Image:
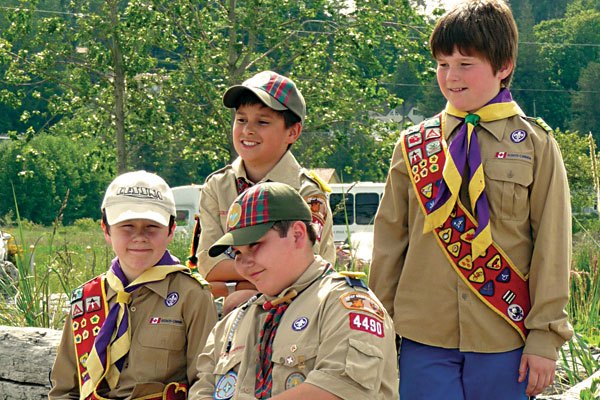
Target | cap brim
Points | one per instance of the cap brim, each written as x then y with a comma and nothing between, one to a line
239,237
231,95
124,212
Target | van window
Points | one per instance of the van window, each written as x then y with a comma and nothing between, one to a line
366,207
182,217
339,211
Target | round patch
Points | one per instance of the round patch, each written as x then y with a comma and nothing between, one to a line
515,312
234,215
518,136
294,379
300,324
172,299
226,386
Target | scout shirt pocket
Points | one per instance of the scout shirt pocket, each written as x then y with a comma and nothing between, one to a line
225,374
363,364
507,188
162,345
291,364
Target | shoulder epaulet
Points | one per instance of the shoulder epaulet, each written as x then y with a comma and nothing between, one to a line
352,278
198,277
316,179
218,171
541,123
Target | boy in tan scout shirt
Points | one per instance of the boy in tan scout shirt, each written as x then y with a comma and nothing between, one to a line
147,317
312,333
473,234
269,113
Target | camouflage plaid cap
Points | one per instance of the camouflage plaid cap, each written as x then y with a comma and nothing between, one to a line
256,210
275,91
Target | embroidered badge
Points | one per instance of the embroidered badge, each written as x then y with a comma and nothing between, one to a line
432,148
487,289
518,136
76,294
366,323
172,299
432,134
234,215
414,139
509,296
300,324
501,154
294,379
515,312
226,386
92,303
155,320
504,276
77,309
415,156
361,302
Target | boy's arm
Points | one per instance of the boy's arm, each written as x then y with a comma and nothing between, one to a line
551,258
200,316
203,385
65,384
390,238
306,391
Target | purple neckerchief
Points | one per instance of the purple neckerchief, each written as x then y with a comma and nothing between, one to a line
462,154
106,331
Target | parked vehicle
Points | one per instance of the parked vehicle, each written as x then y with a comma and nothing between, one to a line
187,204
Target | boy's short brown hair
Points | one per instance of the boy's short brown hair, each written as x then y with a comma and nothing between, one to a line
484,27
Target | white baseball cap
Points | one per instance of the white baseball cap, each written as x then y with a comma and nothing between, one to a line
139,195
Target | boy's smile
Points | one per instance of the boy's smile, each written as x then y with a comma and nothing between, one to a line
261,138
468,81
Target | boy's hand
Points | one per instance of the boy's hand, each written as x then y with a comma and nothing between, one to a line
541,373
236,298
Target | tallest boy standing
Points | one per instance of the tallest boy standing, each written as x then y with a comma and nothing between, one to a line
473,234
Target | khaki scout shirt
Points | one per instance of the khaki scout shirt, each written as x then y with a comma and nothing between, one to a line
530,216
220,190
319,341
160,353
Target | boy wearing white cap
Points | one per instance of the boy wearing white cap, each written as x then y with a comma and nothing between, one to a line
136,330
313,333
269,113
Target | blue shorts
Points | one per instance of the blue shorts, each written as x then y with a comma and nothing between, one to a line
428,372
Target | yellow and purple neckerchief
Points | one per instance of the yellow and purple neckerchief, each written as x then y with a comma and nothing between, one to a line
112,344
464,151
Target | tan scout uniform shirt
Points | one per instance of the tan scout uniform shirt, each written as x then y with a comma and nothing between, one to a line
220,190
319,340
160,353
530,214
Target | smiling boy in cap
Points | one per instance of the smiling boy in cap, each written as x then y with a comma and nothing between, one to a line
269,115
136,330
311,331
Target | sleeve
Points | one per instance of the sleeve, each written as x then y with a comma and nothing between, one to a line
200,316
64,374
354,358
321,212
550,219
390,237
210,223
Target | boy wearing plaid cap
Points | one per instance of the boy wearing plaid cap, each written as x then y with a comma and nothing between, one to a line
269,113
311,332
472,239
135,331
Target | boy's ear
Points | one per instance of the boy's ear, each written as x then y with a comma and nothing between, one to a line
506,69
299,232
106,231
294,132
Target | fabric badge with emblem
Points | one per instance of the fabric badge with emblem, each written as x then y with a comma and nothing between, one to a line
518,136
225,387
318,209
362,302
172,299
294,379
300,324
366,323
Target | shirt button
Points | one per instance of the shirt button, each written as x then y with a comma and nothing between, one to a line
132,309
465,296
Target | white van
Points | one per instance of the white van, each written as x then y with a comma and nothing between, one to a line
187,204
357,212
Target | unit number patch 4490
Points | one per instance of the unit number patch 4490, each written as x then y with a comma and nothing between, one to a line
366,323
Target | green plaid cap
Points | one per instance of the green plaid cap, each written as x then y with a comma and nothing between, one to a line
275,91
255,211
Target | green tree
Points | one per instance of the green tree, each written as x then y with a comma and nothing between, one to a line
586,101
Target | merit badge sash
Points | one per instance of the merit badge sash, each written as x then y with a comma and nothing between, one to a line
88,313
492,276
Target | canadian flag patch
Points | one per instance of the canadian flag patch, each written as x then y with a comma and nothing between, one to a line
501,154
155,320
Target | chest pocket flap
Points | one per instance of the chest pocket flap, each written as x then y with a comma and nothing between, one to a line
507,188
